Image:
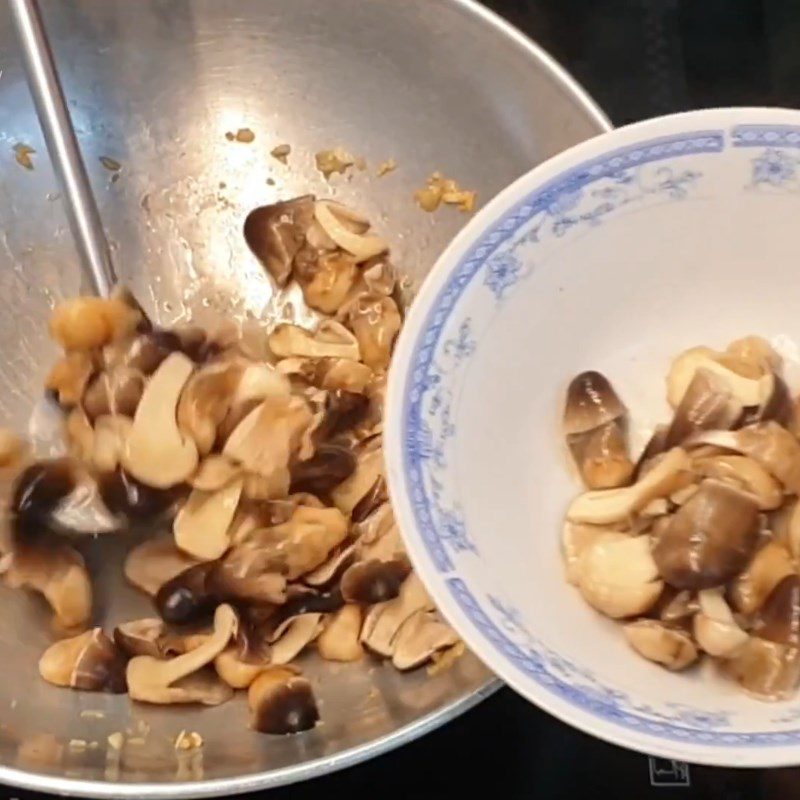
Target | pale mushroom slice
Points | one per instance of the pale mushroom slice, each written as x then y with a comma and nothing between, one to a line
349,230
59,573
339,641
420,637
201,527
151,564
595,429
768,567
148,637
753,355
374,581
89,661
383,621
267,439
206,400
715,629
709,539
745,473
281,702
618,576
771,445
575,538
233,671
606,506
327,572
293,635
214,473
375,320
767,670
110,436
326,279
151,680
750,392
330,340
670,647
156,452
707,404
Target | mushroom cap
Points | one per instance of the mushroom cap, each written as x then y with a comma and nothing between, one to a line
147,637
374,581
768,567
709,539
89,661
590,402
779,618
186,598
282,702
331,464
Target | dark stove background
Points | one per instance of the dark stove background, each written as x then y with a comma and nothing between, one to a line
637,58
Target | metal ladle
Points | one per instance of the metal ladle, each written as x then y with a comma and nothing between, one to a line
62,145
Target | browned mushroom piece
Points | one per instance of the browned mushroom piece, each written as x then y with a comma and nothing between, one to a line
247,572
369,468
149,565
326,279
709,540
275,234
707,404
767,670
330,340
656,445
40,489
375,320
339,641
89,661
87,323
715,628
778,620
331,464
374,581
186,598
331,570
766,570
201,526
772,446
420,637
672,648
745,473
59,573
342,374
281,702
117,391
594,424
126,496
147,637
181,679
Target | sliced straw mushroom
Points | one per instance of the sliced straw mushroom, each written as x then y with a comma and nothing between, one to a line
247,573
186,597
41,488
374,581
778,620
750,392
707,404
331,570
147,637
330,340
275,234
656,446
606,506
232,670
594,424
214,473
89,661
383,621
59,573
338,222
709,539
375,320
149,565
79,435
281,702
201,527
768,567
113,392
767,443
369,468
755,353
293,636
326,280
618,576
420,637
715,628
331,464
767,670
205,402
156,452
575,539
339,641
108,444
151,680
124,495
267,439
745,473
673,649
678,607
343,374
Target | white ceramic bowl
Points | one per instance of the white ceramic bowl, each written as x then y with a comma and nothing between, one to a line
615,255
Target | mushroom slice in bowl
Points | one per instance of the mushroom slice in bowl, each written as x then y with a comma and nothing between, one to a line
715,628
594,425
670,647
768,567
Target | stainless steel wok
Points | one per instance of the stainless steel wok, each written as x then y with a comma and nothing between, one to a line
154,86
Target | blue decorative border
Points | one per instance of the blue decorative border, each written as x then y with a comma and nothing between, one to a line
605,704
765,136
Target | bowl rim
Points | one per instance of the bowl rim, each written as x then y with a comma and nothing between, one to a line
699,122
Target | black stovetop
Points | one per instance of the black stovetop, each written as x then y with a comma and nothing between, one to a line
638,59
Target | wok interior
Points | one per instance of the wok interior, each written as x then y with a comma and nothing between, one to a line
155,86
